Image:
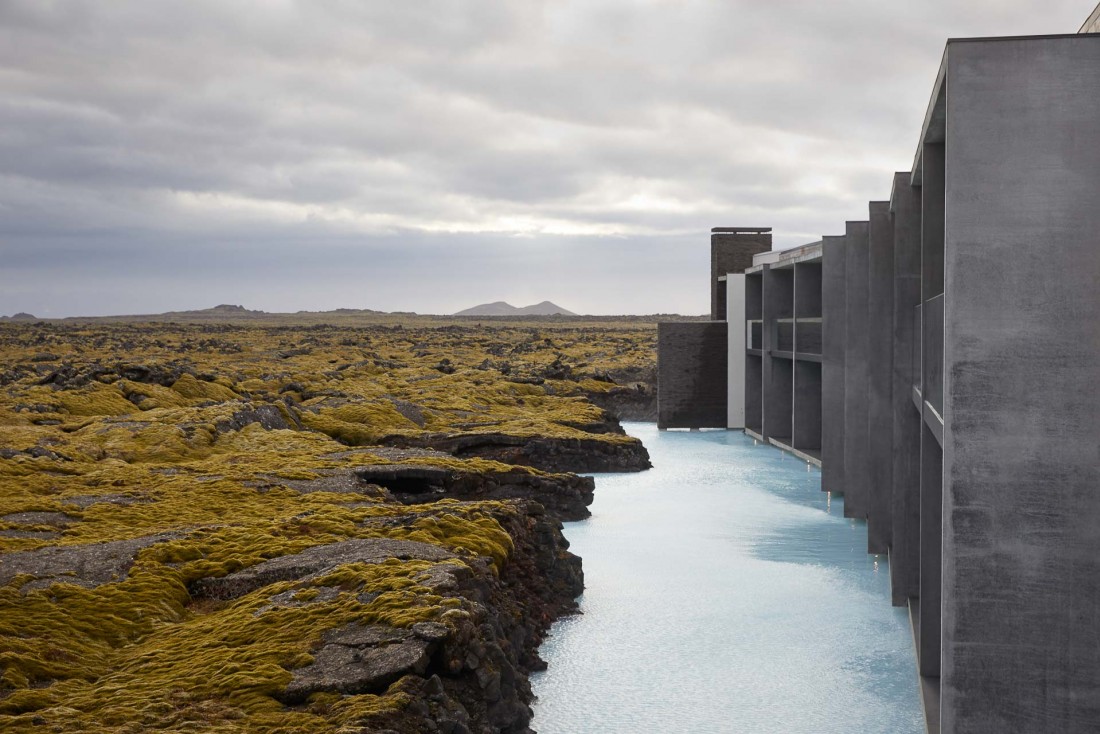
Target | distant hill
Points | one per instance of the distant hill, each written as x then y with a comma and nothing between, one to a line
233,314
500,308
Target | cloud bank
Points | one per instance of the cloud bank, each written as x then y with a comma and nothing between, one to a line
434,154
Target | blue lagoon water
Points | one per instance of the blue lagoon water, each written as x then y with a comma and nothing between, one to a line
725,592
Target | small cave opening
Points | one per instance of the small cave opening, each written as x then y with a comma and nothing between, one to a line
407,480
410,485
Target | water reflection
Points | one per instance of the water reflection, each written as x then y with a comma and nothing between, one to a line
726,593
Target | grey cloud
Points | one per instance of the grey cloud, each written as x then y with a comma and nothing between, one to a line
306,146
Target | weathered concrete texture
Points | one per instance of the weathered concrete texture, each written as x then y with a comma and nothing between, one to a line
905,436
931,558
880,365
731,252
1021,572
735,375
834,332
807,406
754,364
778,398
807,283
931,483
778,372
754,396
857,456
691,374
933,202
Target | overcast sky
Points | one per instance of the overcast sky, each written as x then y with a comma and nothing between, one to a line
428,155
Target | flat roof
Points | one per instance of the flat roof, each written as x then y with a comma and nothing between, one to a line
785,258
739,230
934,129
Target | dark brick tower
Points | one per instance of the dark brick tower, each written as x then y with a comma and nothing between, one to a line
731,251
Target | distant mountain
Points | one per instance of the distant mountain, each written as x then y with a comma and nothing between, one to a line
500,308
21,316
222,310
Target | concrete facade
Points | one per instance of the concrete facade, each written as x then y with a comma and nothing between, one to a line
944,357
905,202
834,334
1021,437
857,449
735,346
782,354
778,369
933,204
880,367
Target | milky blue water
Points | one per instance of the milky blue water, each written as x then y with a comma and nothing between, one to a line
725,592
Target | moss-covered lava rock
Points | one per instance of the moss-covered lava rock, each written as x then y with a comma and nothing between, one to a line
293,528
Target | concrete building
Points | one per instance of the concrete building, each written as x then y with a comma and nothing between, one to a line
695,370
939,360
782,351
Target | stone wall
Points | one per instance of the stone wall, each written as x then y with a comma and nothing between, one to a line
692,362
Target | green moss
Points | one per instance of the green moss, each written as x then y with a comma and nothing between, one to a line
358,424
197,390
481,535
148,397
96,399
125,666
239,656
146,442
140,654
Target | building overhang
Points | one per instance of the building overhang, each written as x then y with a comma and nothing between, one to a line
934,129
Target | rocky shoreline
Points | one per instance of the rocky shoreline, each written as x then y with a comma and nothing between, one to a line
468,674
465,670
474,677
251,540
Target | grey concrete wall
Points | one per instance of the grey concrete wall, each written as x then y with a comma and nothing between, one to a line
807,405
931,483
880,366
754,368
778,398
754,393
834,331
778,373
691,374
931,558
1021,570
731,252
857,454
807,284
932,220
905,436
735,350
